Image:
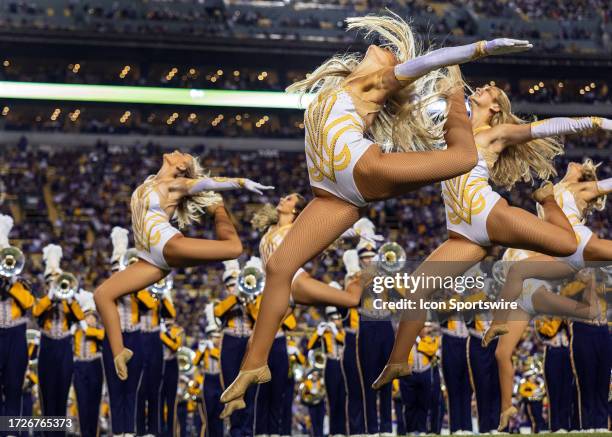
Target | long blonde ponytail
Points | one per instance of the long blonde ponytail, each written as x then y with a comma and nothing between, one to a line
191,208
522,161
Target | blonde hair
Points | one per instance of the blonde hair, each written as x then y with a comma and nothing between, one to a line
589,174
191,207
403,122
522,161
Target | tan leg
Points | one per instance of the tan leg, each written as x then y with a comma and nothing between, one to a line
317,226
454,257
307,290
134,278
381,176
182,251
503,354
598,249
514,227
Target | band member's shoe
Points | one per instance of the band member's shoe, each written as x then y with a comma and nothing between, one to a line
546,190
245,378
231,406
121,361
505,416
390,372
492,333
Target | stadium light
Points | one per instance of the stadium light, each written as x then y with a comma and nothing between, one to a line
151,95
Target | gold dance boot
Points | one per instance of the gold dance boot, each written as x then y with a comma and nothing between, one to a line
390,372
504,418
245,378
231,406
121,361
492,333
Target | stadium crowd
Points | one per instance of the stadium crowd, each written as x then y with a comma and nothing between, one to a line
322,19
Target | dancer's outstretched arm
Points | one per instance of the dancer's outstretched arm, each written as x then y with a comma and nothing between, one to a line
412,69
510,134
187,186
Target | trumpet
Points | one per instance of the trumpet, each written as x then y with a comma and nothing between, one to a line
185,357
392,257
161,287
12,261
250,283
129,257
65,286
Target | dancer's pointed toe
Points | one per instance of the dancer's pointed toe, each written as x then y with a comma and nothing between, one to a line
389,373
243,381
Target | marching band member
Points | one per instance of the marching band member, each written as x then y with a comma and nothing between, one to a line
416,388
554,333
347,170
591,354
30,384
398,407
456,375
296,359
55,314
88,375
208,355
374,344
179,190
171,335
531,391
15,300
350,359
151,309
237,316
329,336
122,394
482,367
311,393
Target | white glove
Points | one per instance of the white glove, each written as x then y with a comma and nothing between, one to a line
256,187
209,344
83,325
119,238
163,328
332,327
502,46
51,294
351,261
6,224
202,345
292,350
321,328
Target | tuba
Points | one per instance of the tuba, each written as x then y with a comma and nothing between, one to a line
185,357
161,287
391,257
314,395
65,286
316,359
250,283
129,257
12,261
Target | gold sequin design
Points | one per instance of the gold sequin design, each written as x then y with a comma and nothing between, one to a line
145,221
322,153
463,198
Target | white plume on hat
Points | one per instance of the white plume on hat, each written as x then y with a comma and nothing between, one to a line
6,224
351,261
52,255
364,226
86,300
255,261
232,269
119,238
